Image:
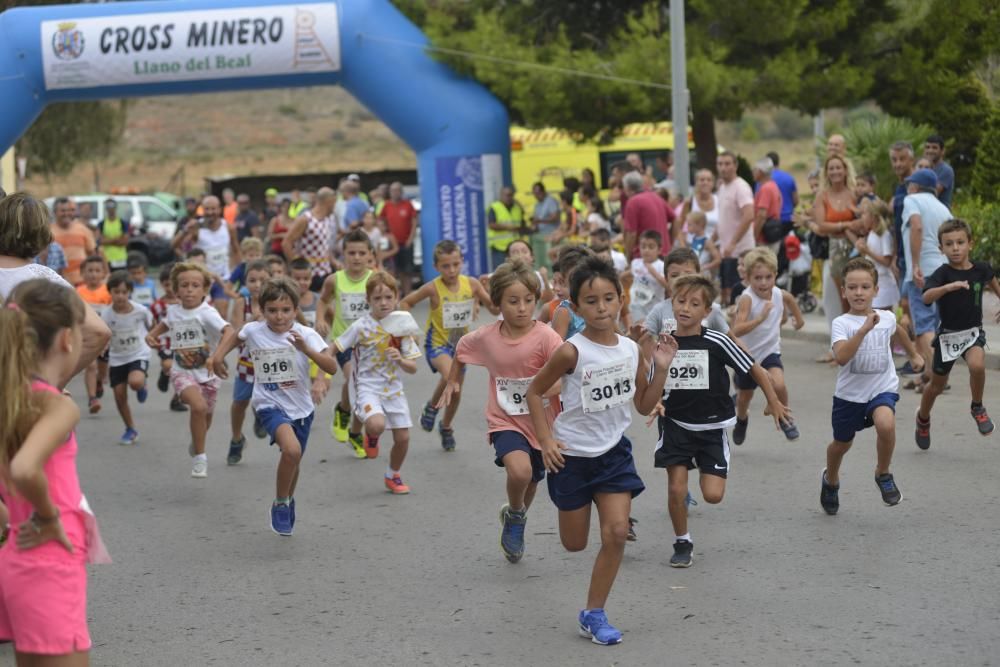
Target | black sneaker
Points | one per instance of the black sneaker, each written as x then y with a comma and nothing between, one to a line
258,428
177,405
236,451
740,430
829,495
632,535
890,492
682,554
163,382
923,433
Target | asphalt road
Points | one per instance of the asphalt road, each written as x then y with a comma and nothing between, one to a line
370,579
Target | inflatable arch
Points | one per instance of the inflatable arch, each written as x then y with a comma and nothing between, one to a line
457,129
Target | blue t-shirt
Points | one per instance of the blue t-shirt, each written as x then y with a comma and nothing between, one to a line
238,274
576,323
144,292
946,179
897,223
355,210
786,184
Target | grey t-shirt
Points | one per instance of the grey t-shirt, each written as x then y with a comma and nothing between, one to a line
665,310
544,209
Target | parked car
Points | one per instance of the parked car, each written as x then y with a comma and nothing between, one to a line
153,222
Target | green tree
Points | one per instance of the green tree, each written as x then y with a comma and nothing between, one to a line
986,174
868,143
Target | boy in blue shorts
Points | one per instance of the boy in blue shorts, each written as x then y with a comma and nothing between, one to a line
867,385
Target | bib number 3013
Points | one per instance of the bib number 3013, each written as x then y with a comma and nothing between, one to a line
275,366
606,386
689,370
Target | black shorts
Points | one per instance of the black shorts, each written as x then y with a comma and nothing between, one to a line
942,367
119,374
404,259
706,450
729,272
746,382
164,354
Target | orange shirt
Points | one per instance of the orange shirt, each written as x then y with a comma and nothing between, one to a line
229,213
95,297
78,243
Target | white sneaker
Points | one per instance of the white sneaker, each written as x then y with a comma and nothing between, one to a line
199,468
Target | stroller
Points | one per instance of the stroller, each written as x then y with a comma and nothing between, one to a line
798,275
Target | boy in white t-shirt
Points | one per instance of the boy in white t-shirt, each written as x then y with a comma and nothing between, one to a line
281,350
128,354
867,384
647,280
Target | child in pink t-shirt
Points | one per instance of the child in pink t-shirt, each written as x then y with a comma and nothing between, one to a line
512,350
43,580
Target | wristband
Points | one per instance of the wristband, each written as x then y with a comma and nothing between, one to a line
37,521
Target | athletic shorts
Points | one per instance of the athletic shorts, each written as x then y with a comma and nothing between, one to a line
344,358
708,451
164,354
395,409
182,379
432,351
942,367
746,382
119,374
924,317
849,418
505,442
272,418
218,292
584,477
729,272
242,389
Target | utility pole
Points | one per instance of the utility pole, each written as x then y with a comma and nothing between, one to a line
679,98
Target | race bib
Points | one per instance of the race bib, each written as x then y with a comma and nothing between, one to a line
187,335
143,295
642,293
353,305
953,345
125,342
274,366
217,259
689,370
310,317
511,394
669,326
456,314
607,386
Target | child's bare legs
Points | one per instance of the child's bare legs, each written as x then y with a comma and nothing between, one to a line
345,395
975,358
902,338
121,402
200,417
713,488
778,382
520,488
932,390
288,464
743,398
612,510
835,452
75,659
885,433
237,415
400,446
90,380
442,363
677,490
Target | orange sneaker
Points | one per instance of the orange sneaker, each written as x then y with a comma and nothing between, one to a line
396,486
371,447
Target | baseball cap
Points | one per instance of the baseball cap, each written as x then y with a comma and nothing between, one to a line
354,177
925,178
271,192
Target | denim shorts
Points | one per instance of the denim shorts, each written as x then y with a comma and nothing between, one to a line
925,318
849,417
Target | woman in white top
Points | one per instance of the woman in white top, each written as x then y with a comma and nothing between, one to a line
25,232
705,200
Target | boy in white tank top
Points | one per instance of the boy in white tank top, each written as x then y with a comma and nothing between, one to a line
586,453
760,312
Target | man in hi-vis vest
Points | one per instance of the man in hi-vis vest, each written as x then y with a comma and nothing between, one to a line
505,224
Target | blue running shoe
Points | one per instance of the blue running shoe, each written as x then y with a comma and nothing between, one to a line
427,417
595,627
291,506
130,437
281,519
258,427
690,501
790,430
447,438
142,394
236,451
512,533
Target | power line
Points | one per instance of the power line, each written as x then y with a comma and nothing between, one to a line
472,55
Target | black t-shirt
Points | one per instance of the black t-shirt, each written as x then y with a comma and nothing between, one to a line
245,222
961,309
713,404
737,290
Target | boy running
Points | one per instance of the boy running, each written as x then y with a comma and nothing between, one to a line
128,355
159,310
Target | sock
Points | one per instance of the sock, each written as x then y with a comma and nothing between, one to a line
353,436
685,536
520,512
390,473
921,419
976,405
200,457
282,501
743,419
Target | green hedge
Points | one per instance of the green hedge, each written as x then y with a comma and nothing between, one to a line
984,218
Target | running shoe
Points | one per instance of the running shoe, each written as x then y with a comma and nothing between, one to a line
95,405
340,424
356,443
236,451
447,438
682,554
789,428
99,393
130,437
371,447
887,486
829,495
690,501
177,405
258,428
512,533
291,507
199,468
396,486
740,430
923,432
281,519
595,627
983,420
632,535
427,417
142,394
163,382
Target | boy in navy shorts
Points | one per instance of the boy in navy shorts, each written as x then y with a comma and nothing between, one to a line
867,385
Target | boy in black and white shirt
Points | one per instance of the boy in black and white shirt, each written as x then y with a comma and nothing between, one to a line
698,407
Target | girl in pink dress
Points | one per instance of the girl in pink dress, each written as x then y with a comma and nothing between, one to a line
52,533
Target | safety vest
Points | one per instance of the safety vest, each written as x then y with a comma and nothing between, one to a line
115,254
296,209
514,215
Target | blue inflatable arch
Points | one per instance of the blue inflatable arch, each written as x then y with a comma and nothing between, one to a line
457,129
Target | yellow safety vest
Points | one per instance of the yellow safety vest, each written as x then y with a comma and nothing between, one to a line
504,216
